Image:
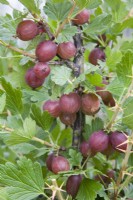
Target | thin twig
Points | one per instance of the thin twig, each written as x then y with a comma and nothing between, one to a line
124,165
66,20
42,141
17,50
58,191
34,138
118,108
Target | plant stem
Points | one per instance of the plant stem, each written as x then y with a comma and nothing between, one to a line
58,192
42,141
118,108
78,66
66,20
34,138
124,165
17,50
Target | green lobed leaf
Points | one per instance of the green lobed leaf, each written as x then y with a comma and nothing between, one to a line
24,181
128,113
65,138
112,58
2,102
88,189
116,87
127,45
57,11
124,69
61,75
13,98
94,78
43,119
129,191
99,24
67,33
118,9
91,4
75,157
31,6
96,125
22,134
3,194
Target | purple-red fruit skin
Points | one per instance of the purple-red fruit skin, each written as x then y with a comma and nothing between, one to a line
110,174
116,139
90,104
66,50
32,80
49,161
98,141
41,70
109,150
106,96
53,107
73,184
60,164
95,55
46,51
67,119
85,148
27,30
70,103
82,17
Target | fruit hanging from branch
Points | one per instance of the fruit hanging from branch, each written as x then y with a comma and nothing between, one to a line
41,70
68,119
66,50
73,184
46,51
27,30
82,17
53,107
118,141
70,103
98,141
95,55
106,96
60,164
90,104
32,80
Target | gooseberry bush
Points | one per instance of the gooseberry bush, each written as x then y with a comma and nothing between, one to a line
66,100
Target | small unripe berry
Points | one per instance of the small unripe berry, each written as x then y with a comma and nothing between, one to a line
82,17
116,139
53,107
32,80
66,50
46,51
73,184
60,164
68,119
90,104
70,103
41,70
98,141
95,55
27,30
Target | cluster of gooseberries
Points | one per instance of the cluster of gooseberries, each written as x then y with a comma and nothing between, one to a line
98,142
68,105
